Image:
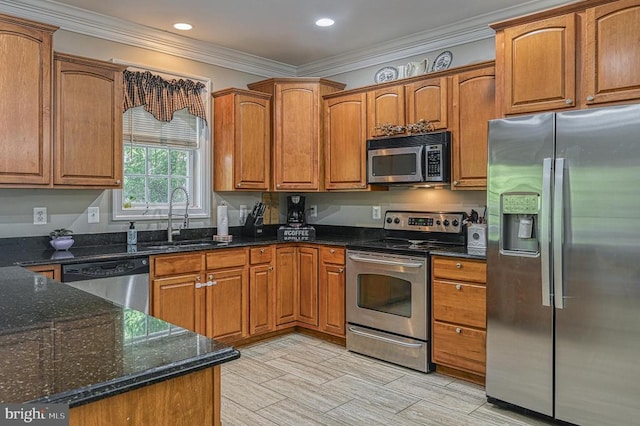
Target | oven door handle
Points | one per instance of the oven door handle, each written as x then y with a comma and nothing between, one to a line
386,262
384,339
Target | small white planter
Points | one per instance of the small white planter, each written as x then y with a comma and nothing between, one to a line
62,243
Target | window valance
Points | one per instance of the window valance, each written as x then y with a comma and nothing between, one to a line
160,97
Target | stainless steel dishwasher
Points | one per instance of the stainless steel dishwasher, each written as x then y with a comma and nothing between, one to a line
125,282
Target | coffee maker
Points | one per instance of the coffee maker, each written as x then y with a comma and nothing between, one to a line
295,211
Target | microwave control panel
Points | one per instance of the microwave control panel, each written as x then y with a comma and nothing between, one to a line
434,161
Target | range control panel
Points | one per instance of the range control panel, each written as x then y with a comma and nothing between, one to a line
450,222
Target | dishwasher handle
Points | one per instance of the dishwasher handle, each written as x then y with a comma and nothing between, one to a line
104,269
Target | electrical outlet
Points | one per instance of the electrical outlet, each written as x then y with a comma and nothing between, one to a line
313,211
375,212
39,215
93,215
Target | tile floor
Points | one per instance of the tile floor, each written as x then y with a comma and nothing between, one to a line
300,380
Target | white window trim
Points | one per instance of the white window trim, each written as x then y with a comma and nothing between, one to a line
200,200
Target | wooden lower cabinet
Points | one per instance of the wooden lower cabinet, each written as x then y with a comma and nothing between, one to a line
178,301
459,316
261,291
286,284
49,271
227,304
307,286
331,288
192,399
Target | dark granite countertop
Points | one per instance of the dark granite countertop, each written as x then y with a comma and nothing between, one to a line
36,251
64,345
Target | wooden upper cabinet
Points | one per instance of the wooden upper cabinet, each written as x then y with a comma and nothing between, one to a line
385,106
346,142
297,115
88,122
539,65
612,53
473,106
25,110
429,100
242,140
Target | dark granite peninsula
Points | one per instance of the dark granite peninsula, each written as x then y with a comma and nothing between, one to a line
112,365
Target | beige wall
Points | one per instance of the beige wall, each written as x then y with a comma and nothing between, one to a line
68,208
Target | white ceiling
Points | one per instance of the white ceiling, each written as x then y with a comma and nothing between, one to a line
282,32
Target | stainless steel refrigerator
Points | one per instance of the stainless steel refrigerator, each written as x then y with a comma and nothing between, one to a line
563,265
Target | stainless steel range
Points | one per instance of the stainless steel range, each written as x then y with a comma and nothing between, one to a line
387,286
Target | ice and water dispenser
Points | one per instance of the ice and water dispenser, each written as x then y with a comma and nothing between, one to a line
519,233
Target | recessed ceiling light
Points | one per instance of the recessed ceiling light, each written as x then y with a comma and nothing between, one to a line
325,22
182,26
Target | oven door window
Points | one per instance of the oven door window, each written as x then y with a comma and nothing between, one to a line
384,293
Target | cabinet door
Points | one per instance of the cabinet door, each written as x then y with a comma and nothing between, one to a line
88,111
178,301
49,271
428,100
539,62
286,285
25,110
459,347
261,299
346,142
227,304
308,285
612,53
296,136
242,140
385,106
332,295
473,107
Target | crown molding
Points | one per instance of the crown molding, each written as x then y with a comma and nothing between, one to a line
77,20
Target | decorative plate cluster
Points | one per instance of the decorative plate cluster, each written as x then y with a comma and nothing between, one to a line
421,126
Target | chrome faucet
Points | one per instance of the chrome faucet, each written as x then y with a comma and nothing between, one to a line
185,224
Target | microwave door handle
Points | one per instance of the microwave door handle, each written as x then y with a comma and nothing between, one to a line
421,164
385,262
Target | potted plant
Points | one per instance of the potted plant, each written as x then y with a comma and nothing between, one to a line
61,239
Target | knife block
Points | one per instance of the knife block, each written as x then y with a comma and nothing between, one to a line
253,226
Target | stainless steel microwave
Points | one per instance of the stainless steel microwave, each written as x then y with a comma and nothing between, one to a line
406,160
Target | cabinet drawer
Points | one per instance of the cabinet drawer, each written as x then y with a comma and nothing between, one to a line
176,264
261,255
460,303
459,347
332,255
460,269
219,259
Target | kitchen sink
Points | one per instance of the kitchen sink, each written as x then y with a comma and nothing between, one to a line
181,244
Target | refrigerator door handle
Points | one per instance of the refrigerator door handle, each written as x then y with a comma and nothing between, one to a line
558,233
545,231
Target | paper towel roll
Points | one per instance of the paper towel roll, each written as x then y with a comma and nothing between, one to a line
223,221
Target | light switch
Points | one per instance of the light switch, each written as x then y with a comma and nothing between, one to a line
93,215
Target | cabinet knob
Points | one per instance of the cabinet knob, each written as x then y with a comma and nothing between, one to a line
568,101
332,251
590,98
278,186
458,330
458,287
261,250
210,277
117,181
455,183
198,278
341,270
238,185
271,268
458,265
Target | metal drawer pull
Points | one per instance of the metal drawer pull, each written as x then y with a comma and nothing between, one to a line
332,251
341,270
458,287
386,262
384,339
458,330
458,265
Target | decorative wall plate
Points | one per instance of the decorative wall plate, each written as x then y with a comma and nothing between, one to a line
442,61
386,74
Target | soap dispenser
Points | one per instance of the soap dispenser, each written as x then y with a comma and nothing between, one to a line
132,234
